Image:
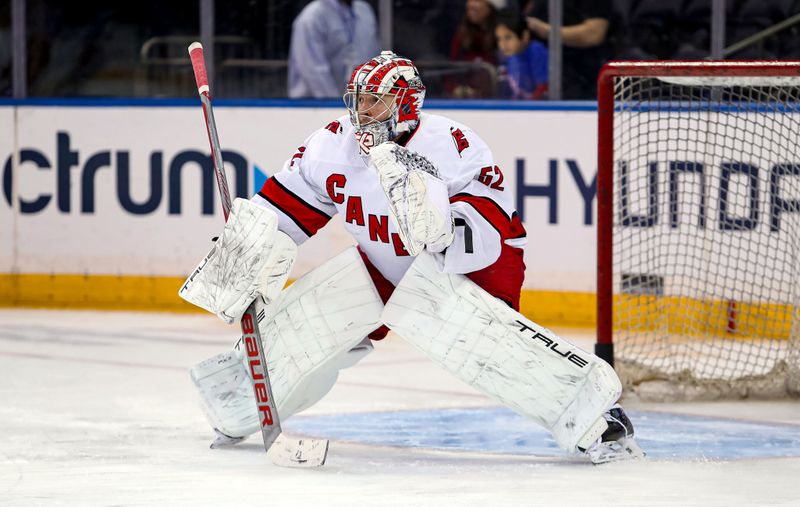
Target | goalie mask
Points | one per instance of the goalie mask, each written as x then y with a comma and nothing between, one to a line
384,98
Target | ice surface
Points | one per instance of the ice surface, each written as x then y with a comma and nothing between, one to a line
97,409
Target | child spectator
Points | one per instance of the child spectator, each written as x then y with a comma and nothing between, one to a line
526,64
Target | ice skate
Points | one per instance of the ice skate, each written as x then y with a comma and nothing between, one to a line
617,442
223,440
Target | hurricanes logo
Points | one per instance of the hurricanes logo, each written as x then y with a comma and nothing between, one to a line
365,142
334,127
298,154
460,140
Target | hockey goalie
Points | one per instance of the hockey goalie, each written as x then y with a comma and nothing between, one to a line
439,262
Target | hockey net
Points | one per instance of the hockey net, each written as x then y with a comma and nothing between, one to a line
699,228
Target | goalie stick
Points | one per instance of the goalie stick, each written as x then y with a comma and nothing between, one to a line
281,449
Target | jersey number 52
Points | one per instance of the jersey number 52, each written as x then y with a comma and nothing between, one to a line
492,177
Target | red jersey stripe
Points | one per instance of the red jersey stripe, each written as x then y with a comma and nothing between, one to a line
492,213
308,218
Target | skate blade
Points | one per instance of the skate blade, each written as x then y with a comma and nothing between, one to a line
224,440
618,450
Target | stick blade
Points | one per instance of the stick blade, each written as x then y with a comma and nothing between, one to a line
299,453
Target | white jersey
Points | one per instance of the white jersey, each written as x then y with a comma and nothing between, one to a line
327,175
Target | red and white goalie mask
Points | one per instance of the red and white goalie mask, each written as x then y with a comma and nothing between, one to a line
384,98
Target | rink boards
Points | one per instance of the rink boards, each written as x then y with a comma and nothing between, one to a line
115,203
112,203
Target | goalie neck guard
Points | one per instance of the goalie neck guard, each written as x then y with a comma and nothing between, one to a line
384,97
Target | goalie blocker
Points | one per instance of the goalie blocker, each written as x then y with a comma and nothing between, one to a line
251,258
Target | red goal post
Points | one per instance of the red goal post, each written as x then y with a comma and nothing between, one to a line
729,132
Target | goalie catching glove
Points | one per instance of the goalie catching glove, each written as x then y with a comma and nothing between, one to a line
418,200
252,258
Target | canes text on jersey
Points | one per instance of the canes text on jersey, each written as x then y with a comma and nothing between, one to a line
377,225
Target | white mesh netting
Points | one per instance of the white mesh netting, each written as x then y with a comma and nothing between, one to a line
706,237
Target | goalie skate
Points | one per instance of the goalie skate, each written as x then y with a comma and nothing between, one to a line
223,440
617,442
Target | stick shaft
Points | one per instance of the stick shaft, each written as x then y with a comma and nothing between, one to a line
201,76
216,153
251,338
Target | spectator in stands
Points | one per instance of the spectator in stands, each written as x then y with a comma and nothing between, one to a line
474,42
329,38
526,63
585,25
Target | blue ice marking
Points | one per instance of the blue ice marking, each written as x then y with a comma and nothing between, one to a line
499,430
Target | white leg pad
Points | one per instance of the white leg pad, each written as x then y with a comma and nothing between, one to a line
316,327
226,393
495,349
